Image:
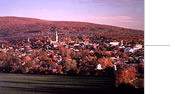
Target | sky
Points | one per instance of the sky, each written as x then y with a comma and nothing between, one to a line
123,13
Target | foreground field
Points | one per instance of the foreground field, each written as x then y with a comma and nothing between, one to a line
53,84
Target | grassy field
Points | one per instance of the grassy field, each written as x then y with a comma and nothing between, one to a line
54,84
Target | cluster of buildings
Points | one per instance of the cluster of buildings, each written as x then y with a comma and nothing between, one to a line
121,51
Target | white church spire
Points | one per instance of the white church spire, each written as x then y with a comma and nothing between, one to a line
28,39
56,37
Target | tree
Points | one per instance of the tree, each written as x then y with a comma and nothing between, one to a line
59,69
69,64
125,76
105,62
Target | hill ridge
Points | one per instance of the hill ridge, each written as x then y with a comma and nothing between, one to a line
12,25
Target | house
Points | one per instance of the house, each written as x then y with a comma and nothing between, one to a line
121,47
76,45
76,50
137,46
128,49
115,67
55,44
99,67
114,43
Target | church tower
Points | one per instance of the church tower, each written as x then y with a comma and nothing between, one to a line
28,39
56,37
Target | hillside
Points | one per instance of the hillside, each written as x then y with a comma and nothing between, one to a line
19,26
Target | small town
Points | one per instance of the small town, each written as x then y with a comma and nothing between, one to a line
88,55
72,47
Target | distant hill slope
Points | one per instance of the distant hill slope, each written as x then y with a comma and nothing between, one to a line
11,26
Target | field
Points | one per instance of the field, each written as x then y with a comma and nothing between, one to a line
53,84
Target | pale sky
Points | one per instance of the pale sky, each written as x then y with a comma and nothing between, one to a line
123,13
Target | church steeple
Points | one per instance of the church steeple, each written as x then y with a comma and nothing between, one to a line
56,37
28,39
